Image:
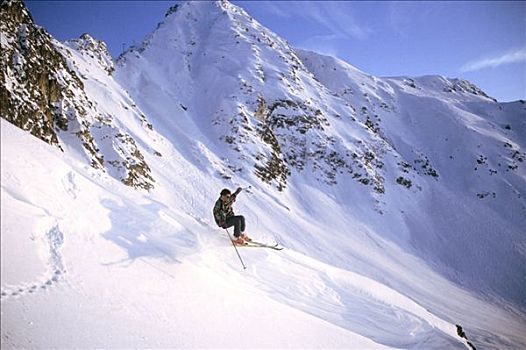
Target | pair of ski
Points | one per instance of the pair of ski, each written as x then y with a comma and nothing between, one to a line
254,244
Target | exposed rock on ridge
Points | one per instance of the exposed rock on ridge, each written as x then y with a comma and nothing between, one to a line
42,93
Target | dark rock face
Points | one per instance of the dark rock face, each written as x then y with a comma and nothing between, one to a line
35,77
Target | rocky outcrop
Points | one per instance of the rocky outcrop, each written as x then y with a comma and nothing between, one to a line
37,85
43,93
94,49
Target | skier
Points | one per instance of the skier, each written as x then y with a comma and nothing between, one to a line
225,217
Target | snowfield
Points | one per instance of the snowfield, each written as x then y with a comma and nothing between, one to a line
399,203
87,262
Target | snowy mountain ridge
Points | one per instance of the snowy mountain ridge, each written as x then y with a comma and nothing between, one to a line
45,93
400,200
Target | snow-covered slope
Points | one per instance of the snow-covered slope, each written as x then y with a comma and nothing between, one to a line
467,151
392,237
94,265
231,82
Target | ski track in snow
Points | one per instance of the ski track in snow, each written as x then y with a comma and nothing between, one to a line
55,265
340,297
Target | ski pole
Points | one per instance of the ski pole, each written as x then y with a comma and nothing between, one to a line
239,256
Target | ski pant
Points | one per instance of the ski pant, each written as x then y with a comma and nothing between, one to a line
238,222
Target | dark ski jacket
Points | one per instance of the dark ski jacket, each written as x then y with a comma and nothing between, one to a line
223,210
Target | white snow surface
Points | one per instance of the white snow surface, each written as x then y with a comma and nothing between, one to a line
88,262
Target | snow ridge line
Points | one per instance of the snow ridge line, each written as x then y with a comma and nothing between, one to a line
55,238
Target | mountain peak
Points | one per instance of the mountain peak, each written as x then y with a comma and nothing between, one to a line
191,13
93,49
217,49
16,11
171,10
442,84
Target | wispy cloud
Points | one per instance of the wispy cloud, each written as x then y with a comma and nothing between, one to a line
336,17
275,8
511,56
323,44
403,16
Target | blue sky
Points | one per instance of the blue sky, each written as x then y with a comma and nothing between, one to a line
484,42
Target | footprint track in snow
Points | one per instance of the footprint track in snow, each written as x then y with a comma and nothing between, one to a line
55,264
70,186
